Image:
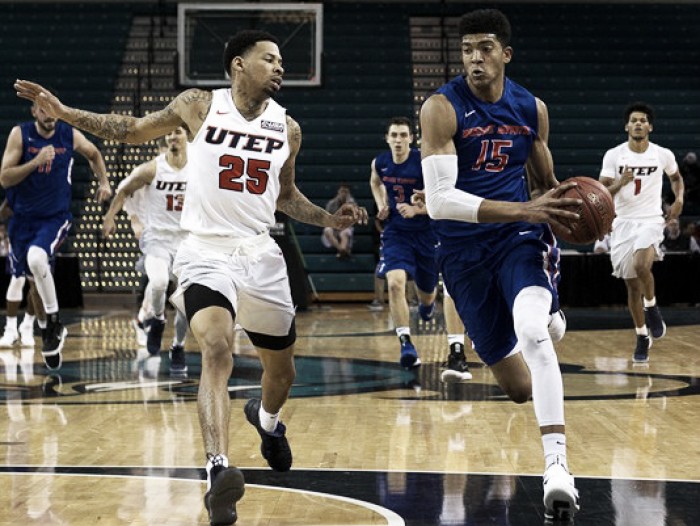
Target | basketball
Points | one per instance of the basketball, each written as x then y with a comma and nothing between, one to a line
596,212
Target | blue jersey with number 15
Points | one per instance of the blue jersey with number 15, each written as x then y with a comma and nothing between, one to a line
493,142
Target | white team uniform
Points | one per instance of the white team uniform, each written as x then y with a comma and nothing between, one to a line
231,201
639,221
162,205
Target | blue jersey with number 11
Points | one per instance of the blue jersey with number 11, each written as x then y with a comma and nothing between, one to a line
493,143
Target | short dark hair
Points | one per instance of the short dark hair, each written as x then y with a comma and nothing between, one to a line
641,107
241,42
486,21
400,121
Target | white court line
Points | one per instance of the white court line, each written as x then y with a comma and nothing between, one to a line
392,518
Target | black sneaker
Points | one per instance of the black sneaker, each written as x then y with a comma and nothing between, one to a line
653,319
274,447
154,334
641,352
178,364
53,338
456,368
227,487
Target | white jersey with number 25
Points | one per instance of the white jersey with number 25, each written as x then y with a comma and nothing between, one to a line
235,166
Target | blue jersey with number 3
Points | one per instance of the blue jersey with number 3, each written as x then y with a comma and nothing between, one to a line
493,143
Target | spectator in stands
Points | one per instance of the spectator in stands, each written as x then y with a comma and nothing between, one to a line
340,239
36,172
675,238
690,170
230,269
633,172
497,253
408,241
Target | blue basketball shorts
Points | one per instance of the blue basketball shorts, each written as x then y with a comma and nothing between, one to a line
47,233
484,280
413,252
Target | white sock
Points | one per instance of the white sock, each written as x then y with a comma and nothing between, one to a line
642,331
42,323
11,324
268,421
400,331
215,460
554,445
455,338
28,321
649,303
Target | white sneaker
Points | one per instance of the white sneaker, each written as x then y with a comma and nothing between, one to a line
557,326
9,338
560,493
26,336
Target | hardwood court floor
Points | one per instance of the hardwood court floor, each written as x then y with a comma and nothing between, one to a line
112,439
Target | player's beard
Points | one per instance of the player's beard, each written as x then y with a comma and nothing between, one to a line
46,127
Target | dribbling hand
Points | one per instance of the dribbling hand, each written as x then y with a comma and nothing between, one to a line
550,206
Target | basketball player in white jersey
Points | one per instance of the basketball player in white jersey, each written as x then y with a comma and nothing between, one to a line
243,152
633,172
134,208
162,183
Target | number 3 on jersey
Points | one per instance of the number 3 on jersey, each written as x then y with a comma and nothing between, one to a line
236,168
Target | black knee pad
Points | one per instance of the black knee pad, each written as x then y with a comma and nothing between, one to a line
198,297
273,343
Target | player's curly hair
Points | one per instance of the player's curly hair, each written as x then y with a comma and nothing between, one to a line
241,42
641,107
486,21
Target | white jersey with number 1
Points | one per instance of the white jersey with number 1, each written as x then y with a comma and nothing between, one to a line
236,163
641,198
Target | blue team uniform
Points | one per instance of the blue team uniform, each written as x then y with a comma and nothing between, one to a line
407,244
486,265
41,201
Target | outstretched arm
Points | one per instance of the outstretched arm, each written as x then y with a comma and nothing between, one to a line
297,206
140,177
97,164
188,109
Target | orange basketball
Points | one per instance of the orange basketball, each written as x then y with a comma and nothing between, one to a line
596,212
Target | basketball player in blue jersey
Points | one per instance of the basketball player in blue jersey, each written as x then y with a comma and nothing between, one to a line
36,172
244,147
408,241
497,251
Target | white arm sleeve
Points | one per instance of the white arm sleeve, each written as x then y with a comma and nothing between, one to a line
442,199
